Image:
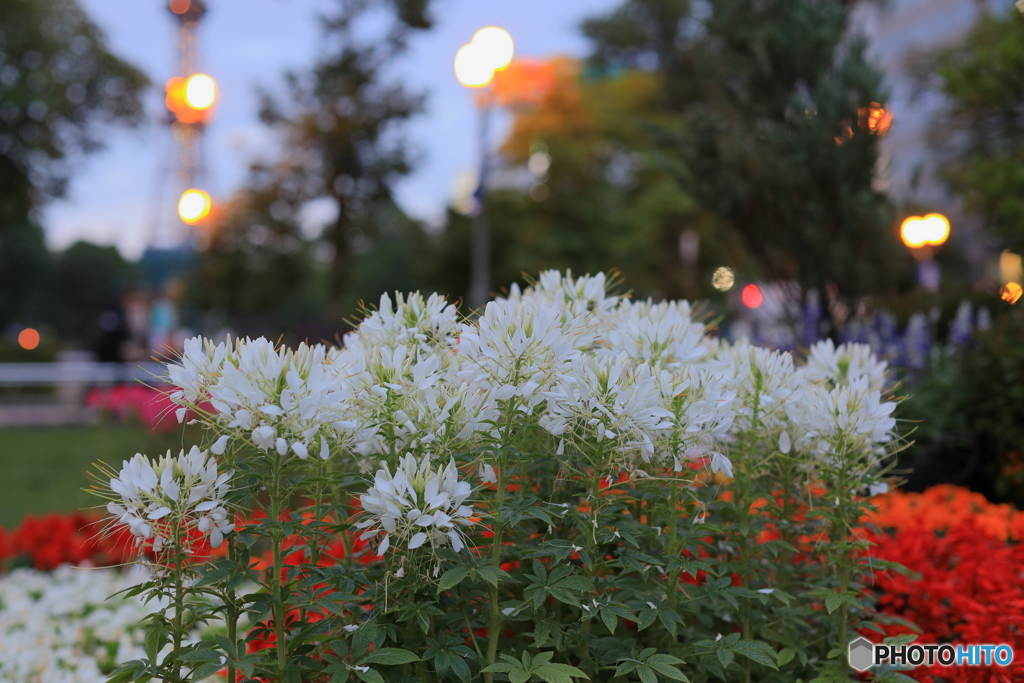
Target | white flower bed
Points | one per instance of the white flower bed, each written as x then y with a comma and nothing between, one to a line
64,627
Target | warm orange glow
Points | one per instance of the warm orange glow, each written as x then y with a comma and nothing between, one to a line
194,206
931,230
179,6
200,91
752,296
191,99
528,81
845,134
28,338
876,118
1011,292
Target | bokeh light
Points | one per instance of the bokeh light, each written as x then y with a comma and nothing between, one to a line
723,279
194,205
495,46
490,50
179,6
200,91
931,230
1011,292
539,163
752,296
876,118
28,338
470,69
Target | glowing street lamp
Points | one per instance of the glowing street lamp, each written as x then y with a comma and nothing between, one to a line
194,205
476,62
923,234
932,230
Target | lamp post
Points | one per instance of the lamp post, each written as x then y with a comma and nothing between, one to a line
923,235
475,65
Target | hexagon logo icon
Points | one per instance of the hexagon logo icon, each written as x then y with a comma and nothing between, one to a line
861,651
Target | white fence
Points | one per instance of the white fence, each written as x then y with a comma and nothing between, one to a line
71,381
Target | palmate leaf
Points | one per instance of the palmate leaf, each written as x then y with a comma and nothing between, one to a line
390,656
539,665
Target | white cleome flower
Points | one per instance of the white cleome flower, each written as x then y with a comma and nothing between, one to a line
411,321
172,494
660,334
416,505
266,394
402,399
847,420
842,365
518,347
764,381
608,399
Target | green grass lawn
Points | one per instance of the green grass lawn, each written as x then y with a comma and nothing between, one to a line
45,469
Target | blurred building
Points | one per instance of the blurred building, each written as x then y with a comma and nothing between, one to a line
896,30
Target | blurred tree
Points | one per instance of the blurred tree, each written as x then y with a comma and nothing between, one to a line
586,187
981,132
776,140
85,282
340,123
58,85
259,269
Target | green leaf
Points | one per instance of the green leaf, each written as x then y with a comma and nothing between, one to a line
646,618
453,577
155,639
646,674
206,670
500,668
725,656
370,676
786,655
390,656
564,595
762,653
832,602
460,668
665,665
558,673
609,619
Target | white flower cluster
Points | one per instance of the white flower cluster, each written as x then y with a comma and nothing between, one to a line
62,626
183,492
416,506
273,397
593,369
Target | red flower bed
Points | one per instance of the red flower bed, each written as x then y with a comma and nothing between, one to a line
137,402
969,583
50,541
965,555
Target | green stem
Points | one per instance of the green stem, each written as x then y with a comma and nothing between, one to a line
179,608
673,544
595,496
495,624
843,559
275,588
231,616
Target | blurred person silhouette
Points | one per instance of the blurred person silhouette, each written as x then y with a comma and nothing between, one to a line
136,314
164,319
112,333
